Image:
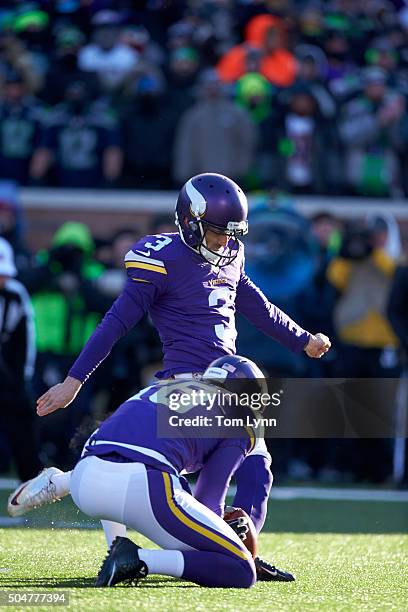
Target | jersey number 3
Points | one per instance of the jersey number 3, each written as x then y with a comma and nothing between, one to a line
159,244
223,331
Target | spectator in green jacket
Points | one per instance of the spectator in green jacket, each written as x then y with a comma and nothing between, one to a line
67,307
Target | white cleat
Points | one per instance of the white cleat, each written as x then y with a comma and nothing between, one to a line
34,493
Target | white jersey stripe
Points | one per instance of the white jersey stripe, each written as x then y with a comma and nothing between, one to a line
132,256
139,449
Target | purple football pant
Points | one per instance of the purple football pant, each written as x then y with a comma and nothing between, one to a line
155,504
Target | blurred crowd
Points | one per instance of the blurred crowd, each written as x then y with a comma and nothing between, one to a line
304,96
346,279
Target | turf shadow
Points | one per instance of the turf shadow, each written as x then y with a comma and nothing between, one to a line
81,582
49,583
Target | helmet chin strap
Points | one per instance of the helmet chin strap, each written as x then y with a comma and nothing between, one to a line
213,258
203,250
210,256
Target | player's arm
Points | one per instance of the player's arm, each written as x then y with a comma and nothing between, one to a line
126,311
271,320
254,481
214,479
144,284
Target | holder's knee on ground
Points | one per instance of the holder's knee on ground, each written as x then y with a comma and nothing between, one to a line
219,570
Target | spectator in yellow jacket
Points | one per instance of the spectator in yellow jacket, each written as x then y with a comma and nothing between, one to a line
362,275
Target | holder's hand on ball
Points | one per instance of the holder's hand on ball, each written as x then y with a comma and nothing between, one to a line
243,526
239,524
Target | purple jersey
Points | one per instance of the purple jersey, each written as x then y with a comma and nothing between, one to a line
192,304
131,433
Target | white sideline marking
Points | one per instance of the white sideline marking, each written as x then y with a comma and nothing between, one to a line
163,201
288,493
8,521
282,493
9,483
319,493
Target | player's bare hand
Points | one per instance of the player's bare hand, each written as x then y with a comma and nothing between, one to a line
58,396
317,346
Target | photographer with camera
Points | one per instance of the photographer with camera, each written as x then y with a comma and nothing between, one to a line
362,275
67,307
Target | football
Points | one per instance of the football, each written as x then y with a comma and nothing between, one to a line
251,536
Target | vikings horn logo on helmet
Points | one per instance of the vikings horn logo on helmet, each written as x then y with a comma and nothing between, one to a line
198,205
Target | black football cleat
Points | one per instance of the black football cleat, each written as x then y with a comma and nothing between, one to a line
269,573
122,565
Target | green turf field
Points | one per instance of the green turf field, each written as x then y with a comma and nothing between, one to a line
333,571
345,555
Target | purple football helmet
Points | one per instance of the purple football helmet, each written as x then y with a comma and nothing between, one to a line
214,202
237,374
